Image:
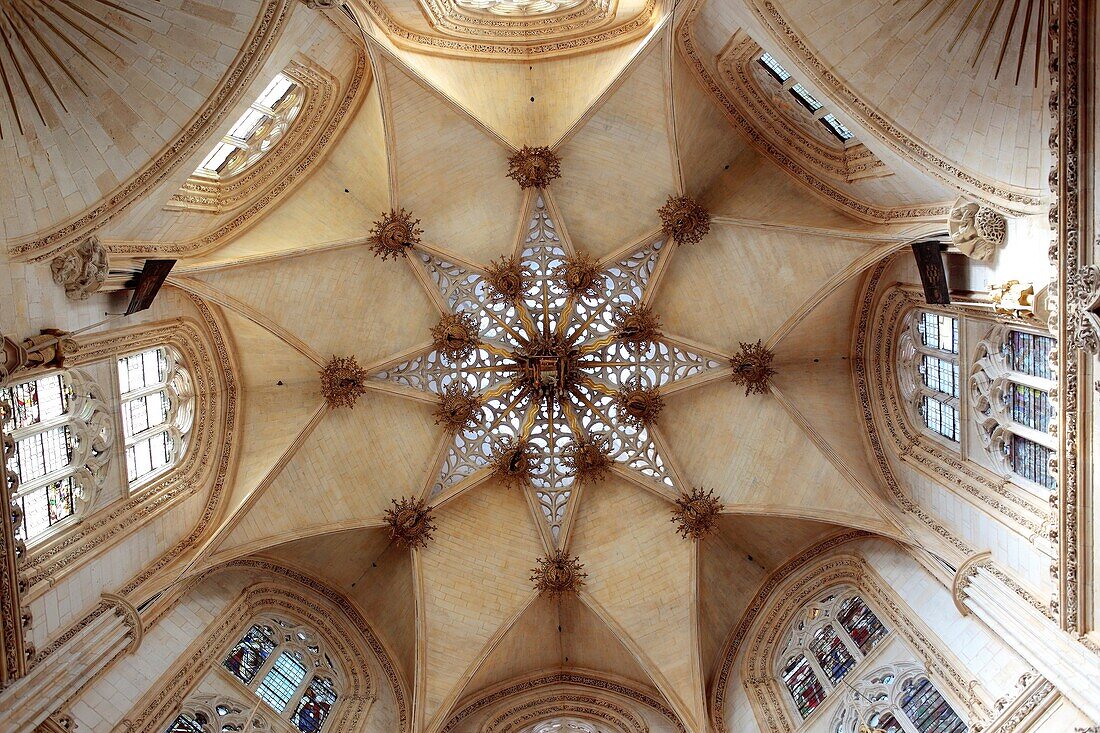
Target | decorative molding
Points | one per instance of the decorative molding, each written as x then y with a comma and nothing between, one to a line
534,167
696,513
558,574
752,368
410,522
131,617
965,572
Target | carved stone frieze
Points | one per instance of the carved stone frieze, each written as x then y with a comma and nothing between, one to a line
81,270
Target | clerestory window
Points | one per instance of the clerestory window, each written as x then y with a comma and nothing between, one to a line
157,411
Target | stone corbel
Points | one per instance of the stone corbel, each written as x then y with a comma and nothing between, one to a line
977,231
46,350
81,270
966,571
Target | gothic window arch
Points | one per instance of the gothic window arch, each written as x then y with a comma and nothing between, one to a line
62,434
157,401
830,636
928,372
897,699
288,666
1011,381
219,714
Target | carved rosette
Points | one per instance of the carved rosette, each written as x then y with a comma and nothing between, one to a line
458,408
534,167
343,381
589,459
410,522
455,336
977,231
637,325
394,234
696,514
512,462
581,275
506,279
638,406
684,219
752,368
558,573
81,270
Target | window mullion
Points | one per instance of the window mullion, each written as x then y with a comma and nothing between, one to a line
846,639
142,392
150,432
811,659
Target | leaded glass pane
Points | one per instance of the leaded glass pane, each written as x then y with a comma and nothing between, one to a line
807,100
1030,406
251,653
861,623
1029,353
925,707
940,375
837,127
43,453
37,401
831,654
46,506
281,681
774,67
318,700
185,724
1032,461
803,684
144,412
939,332
148,455
940,417
139,371
885,722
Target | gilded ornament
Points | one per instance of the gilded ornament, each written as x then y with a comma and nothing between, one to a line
696,514
343,381
534,167
549,367
638,406
459,408
394,234
410,522
512,461
558,573
581,275
637,325
684,219
455,336
506,279
589,458
752,368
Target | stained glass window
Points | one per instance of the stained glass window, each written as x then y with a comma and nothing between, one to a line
315,705
251,653
861,623
923,704
1029,353
1032,461
885,722
800,679
185,724
940,417
831,654
281,681
150,385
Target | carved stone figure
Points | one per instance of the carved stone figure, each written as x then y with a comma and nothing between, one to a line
977,231
82,270
1013,298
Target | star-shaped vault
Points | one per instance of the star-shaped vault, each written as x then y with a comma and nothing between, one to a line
532,395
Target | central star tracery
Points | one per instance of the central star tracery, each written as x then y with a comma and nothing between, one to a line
551,365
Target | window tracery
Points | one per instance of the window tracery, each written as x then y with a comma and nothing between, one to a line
831,635
289,668
897,699
804,98
218,714
928,373
157,400
63,436
1010,386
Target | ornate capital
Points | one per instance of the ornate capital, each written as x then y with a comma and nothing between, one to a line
458,408
977,231
589,458
512,461
696,514
81,270
752,367
637,325
394,234
684,219
342,381
966,571
455,336
534,167
558,573
410,522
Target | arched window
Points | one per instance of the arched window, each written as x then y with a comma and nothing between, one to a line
830,636
256,131
218,714
287,666
63,435
928,371
1010,384
157,406
897,699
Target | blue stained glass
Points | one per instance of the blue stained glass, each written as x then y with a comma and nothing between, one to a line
281,681
250,654
315,706
831,653
861,623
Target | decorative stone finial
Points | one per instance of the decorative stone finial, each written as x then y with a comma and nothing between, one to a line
342,381
458,408
580,275
636,325
752,367
81,270
683,219
410,522
696,514
589,459
638,405
455,336
534,167
558,573
394,234
512,461
507,279
977,231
